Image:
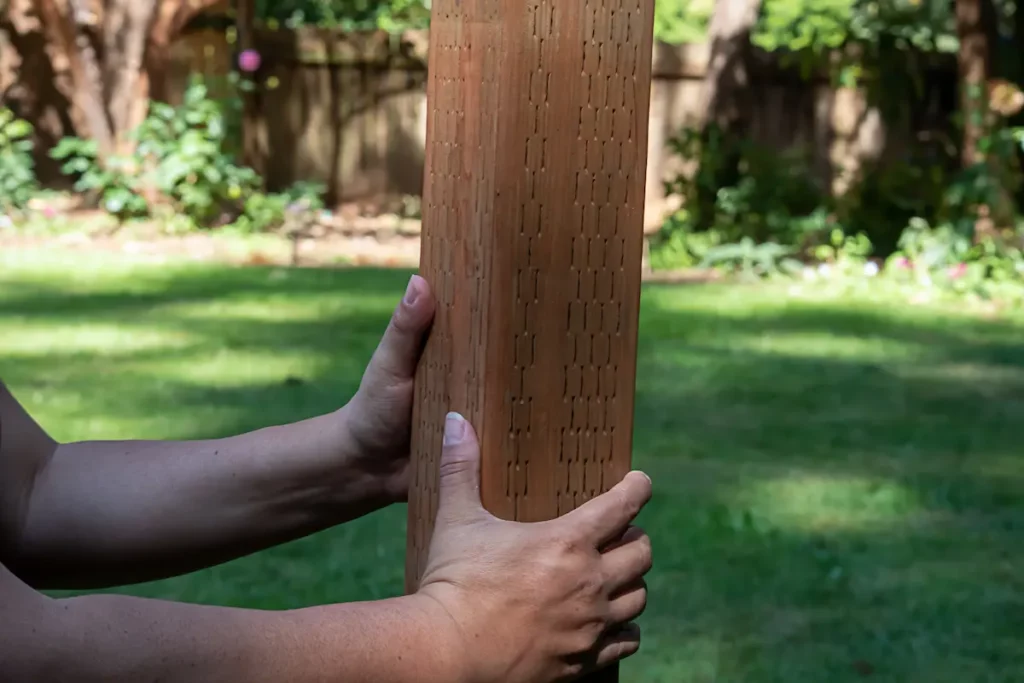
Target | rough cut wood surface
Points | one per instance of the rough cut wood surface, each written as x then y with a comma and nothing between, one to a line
532,239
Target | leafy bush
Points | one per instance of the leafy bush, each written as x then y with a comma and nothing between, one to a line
845,255
350,15
677,245
17,168
810,32
295,209
183,151
751,260
743,189
183,164
113,185
682,21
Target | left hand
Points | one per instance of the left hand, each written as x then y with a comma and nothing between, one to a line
379,417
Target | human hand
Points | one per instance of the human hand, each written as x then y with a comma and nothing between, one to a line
542,602
378,418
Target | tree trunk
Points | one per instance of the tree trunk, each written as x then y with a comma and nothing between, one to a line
726,83
725,106
974,60
109,56
70,44
126,28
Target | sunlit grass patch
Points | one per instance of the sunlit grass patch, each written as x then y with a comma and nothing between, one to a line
839,483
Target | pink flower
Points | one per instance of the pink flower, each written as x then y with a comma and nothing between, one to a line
249,61
903,263
958,271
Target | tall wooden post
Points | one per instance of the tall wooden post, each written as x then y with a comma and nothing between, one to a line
532,241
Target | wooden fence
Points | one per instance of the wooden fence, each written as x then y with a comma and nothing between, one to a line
350,110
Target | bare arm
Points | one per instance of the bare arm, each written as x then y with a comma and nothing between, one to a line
95,514
117,639
499,601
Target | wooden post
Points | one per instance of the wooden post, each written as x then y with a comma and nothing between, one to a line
532,242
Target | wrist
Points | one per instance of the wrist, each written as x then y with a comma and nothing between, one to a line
383,477
408,638
446,641
313,470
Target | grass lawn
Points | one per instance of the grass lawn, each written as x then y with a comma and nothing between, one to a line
839,483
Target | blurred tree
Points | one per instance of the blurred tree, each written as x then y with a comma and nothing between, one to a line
725,106
728,72
114,51
976,30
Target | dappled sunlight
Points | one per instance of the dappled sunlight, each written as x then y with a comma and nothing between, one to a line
34,340
834,480
985,378
820,502
823,344
281,308
232,368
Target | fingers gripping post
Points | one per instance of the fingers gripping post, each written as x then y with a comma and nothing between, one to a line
532,240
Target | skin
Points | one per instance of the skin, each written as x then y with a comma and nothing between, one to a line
499,601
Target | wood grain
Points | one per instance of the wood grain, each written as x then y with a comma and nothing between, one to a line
532,241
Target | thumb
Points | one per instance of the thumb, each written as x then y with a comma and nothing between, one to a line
459,488
399,350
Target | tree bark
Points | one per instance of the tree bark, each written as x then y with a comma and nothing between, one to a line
126,29
727,80
726,92
111,85
71,44
975,62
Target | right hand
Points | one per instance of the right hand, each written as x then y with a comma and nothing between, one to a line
542,602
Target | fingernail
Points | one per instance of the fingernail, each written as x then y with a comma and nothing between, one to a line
454,429
412,291
645,476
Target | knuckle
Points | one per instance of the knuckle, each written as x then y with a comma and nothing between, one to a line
458,464
641,602
402,323
627,502
588,636
645,554
568,542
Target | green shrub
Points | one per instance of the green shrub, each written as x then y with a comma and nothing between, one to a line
17,168
113,185
741,190
751,260
295,209
183,151
183,161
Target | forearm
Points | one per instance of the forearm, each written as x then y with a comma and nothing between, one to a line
117,639
123,512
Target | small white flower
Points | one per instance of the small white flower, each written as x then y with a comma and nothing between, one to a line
871,269
824,269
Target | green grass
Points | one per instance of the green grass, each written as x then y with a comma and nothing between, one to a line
839,487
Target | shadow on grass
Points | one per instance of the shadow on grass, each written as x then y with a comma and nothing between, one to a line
150,287
838,489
